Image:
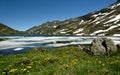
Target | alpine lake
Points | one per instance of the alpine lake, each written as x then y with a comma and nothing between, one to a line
17,44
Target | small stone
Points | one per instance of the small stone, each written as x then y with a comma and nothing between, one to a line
40,49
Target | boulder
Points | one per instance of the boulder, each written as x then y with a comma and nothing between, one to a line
97,48
102,46
109,45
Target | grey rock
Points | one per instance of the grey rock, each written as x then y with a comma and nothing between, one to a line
97,48
109,45
103,46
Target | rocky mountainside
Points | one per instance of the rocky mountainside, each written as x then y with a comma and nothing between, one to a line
103,22
7,30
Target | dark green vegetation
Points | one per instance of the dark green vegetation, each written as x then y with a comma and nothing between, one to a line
61,61
2,39
7,30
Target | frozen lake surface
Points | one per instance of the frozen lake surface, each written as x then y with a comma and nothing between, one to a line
21,44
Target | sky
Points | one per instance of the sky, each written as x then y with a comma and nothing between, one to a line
24,14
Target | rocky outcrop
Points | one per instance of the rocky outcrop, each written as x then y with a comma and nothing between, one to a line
103,46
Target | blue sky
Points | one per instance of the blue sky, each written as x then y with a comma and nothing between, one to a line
24,14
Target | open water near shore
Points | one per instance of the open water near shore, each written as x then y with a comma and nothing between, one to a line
17,44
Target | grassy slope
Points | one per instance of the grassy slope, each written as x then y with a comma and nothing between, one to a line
61,61
4,29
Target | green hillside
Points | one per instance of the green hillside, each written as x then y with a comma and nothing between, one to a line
7,30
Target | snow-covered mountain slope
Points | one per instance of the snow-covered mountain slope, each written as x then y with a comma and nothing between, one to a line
103,22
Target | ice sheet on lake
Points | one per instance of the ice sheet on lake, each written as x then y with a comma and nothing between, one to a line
18,49
57,41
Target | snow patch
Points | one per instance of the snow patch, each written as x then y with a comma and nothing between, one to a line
101,34
116,35
81,22
54,26
100,16
98,22
117,18
106,25
114,6
111,16
110,28
80,34
118,4
63,31
96,15
79,30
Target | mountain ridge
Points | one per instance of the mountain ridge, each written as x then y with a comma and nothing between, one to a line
103,22
4,29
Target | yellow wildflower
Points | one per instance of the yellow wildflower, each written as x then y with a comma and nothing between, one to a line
99,62
66,66
10,65
22,64
29,67
64,56
75,61
47,58
3,72
12,70
28,71
103,64
96,59
25,69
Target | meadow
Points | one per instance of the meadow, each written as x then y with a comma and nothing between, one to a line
70,60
